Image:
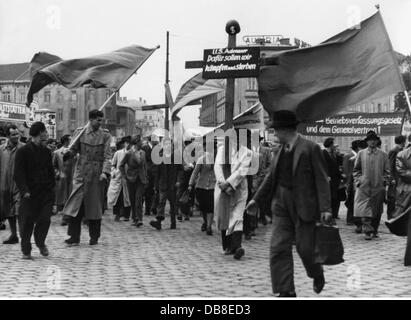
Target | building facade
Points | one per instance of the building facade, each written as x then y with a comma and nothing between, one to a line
70,106
146,121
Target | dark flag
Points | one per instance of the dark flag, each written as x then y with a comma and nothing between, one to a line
196,88
316,82
108,70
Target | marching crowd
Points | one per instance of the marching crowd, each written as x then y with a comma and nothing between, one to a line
303,183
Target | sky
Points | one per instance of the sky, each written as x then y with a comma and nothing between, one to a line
80,28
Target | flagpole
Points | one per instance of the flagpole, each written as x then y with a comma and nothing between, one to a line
407,98
74,140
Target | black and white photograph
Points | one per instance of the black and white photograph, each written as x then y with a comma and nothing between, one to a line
218,151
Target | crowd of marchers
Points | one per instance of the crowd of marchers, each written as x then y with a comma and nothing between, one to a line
297,184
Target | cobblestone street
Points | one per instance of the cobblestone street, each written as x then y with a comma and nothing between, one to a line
140,263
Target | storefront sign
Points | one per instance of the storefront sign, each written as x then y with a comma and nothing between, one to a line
355,124
12,111
231,63
274,41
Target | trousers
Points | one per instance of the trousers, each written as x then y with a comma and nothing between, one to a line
94,226
136,192
170,195
35,215
287,228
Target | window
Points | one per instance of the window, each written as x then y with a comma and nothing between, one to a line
73,114
22,97
47,96
252,84
59,96
108,112
150,118
6,96
74,96
59,114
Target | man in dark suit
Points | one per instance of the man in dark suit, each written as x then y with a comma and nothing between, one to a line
166,174
34,177
133,167
150,193
300,192
334,174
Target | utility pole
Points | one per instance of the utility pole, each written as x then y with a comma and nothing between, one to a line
166,119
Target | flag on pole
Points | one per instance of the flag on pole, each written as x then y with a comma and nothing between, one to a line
356,65
252,118
195,89
108,70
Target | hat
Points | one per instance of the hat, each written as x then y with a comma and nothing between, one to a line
136,138
371,135
283,119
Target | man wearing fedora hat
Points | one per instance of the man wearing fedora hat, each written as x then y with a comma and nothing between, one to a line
371,174
300,192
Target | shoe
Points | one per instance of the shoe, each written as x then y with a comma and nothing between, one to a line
11,240
209,232
117,219
134,224
203,227
72,242
318,284
252,233
239,252
139,224
156,224
44,251
368,236
287,295
358,229
93,242
27,257
126,219
375,235
180,218
228,252
187,218
263,221
2,226
173,226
